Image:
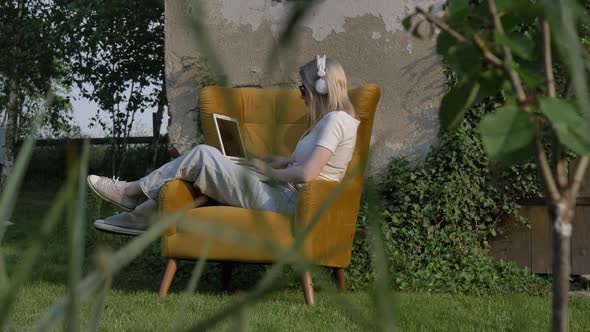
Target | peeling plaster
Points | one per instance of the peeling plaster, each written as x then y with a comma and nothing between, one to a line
394,144
327,18
242,32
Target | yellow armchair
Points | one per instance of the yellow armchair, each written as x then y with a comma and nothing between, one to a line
271,122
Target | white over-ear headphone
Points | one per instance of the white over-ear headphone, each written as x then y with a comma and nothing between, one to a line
321,86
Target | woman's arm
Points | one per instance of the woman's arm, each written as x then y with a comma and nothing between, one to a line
276,161
308,171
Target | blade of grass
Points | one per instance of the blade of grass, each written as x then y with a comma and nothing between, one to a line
339,300
58,311
242,320
192,286
232,309
99,306
9,195
92,282
28,259
76,228
350,310
102,258
383,298
299,12
227,234
199,27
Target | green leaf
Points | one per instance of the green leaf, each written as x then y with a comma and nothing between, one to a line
444,42
464,59
457,5
502,5
456,102
520,45
515,13
530,73
563,18
569,125
458,20
507,135
490,83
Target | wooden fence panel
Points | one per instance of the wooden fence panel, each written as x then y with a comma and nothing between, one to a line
581,241
513,245
585,188
540,239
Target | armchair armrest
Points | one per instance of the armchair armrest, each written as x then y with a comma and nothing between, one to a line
329,242
175,195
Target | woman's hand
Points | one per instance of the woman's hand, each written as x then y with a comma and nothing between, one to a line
260,165
277,161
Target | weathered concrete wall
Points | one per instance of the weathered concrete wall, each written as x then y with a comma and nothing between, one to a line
365,36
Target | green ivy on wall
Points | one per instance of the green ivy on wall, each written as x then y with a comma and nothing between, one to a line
439,215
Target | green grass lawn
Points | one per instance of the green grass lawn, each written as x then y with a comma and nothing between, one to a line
133,304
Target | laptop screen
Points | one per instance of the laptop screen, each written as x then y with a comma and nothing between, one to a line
230,138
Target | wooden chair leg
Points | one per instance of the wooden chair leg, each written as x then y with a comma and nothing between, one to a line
307,284
171,268
340,277
226,271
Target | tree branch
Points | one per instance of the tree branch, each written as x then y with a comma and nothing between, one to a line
441,25
512,74
485,51
548,59
560,163
545,170
578,177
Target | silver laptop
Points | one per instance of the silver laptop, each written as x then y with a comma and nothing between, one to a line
232,145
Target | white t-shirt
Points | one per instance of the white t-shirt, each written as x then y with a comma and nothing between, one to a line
336,131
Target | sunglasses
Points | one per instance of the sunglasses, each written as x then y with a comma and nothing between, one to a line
302,90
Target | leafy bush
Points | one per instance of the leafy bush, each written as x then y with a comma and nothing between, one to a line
438,216
48,163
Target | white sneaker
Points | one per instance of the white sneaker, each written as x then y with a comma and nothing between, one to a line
122,223
110,189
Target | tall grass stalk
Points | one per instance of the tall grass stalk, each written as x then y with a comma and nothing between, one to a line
76,223
197,23
192,286
10,191
102,261
26,262
99,305
382,290
91,283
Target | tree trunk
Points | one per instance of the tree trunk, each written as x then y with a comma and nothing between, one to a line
9,149
157,122
561,229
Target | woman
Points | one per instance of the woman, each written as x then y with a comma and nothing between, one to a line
323,152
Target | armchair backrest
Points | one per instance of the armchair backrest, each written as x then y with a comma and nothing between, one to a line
272,120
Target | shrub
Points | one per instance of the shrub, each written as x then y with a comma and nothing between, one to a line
438,216
48,163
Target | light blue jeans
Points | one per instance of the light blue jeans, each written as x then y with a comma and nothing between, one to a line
219,178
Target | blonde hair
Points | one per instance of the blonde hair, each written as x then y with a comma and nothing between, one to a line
337,97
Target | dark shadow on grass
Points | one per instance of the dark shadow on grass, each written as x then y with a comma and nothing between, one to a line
143,274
